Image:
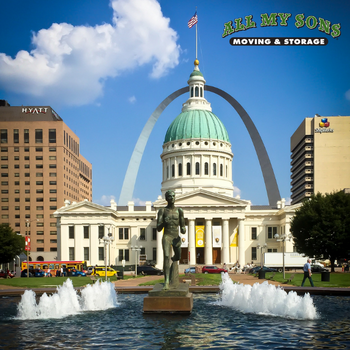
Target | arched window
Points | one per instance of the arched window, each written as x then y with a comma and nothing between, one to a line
201,92
214,169
206,168
196,91
197,168
167,171
180,169
39,258
221,170
188,165
173,170
192,91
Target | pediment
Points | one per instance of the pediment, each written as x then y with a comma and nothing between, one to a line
83,207
203,198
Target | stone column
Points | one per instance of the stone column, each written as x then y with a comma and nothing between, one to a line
208,243
192,242
225,242
241,248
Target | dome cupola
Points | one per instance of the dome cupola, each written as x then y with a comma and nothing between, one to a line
196,149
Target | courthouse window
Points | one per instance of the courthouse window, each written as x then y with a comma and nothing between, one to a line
254,233
142,234
271,231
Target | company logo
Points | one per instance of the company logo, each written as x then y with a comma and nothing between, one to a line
282,19
324,126
324,123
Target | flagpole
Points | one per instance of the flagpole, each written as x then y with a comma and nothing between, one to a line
196,42
196,37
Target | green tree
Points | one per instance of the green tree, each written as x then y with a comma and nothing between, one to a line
11,244
321,226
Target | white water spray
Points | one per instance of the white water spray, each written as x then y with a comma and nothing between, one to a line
266,299
66,301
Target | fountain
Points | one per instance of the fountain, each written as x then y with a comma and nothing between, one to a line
240,317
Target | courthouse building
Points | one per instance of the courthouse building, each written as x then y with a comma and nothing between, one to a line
320,156
41,167
197,166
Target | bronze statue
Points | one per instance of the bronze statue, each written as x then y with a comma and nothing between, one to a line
170,218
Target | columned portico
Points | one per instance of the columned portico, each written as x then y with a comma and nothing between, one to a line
208,243
241,250
225,242
192,241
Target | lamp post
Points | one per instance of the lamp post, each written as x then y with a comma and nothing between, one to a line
283,238
136,249
107,240
261,248
27,238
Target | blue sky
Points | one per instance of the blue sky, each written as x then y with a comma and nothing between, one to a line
104,66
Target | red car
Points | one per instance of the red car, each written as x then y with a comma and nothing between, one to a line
5,275
212,269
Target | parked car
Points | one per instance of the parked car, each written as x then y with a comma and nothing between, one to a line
212,269
3,274
148,270
317,268
256,269
101,271
190,270
78,273
33,273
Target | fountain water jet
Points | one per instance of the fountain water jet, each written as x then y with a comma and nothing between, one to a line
66,301
266,299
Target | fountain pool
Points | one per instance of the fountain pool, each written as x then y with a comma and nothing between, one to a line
241,318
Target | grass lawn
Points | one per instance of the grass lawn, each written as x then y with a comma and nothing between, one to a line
202,279
337,279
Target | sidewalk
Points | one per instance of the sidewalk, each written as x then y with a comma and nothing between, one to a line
240,278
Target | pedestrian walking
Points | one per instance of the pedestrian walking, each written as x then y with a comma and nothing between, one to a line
307,273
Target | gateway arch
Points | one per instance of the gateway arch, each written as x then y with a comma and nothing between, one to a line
271,186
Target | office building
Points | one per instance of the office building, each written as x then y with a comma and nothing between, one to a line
41,168
320,156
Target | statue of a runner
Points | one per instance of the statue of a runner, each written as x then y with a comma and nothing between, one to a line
170,218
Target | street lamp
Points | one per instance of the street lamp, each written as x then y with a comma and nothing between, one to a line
283,238
27,248
136,249
107,240
261,248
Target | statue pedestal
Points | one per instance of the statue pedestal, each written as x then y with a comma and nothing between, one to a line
175,300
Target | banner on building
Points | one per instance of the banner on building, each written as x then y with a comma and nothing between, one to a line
27,240
234,242
184,238
199,236
217,236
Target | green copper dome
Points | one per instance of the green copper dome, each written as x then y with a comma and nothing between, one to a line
196,124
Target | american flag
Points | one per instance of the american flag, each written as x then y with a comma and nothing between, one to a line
192,21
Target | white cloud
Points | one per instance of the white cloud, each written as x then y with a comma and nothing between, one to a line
70,64
288,201
132,99
105,200
236,192
138,201
347,95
